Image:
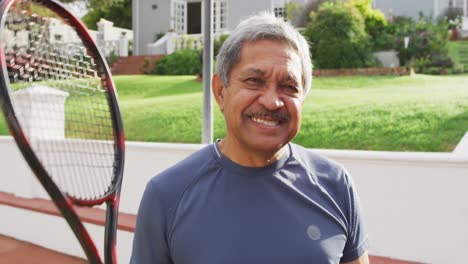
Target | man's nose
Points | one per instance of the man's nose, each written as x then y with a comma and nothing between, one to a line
270,98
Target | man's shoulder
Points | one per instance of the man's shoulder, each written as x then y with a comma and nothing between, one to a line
315,163
176,178
330,175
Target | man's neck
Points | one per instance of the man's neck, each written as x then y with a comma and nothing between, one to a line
247,157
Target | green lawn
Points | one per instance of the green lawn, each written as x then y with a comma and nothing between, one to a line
458,52
421,113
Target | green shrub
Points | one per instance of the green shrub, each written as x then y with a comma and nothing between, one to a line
420,64
384,41
299,14
119,12
217,43
338,37
182,62
454,17
374,19
112,58
428,39
92,17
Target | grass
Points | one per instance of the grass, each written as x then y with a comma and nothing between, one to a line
454,49
420,113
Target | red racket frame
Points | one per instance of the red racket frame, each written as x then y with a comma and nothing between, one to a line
63,202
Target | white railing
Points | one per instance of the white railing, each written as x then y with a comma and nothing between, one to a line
192,41
161,46
110,39
113,40
171,42
414,203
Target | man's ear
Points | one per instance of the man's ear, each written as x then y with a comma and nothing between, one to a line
217,86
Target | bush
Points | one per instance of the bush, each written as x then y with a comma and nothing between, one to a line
428,39
92,17
420,64
119,12
182,62
338,37
299,14
112,58
374,19
217,43
427,48
454,17
384,41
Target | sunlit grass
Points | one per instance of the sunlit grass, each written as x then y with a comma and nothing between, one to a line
420,113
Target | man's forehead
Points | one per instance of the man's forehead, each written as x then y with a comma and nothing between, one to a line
286,74
254,70
248,65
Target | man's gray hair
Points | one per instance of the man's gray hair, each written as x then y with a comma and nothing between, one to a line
259,27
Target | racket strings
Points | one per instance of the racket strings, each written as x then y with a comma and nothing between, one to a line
60,100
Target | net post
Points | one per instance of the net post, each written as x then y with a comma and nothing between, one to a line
207,130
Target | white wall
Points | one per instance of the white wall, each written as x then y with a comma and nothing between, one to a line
415,204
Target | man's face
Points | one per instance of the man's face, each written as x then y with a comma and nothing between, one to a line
263,101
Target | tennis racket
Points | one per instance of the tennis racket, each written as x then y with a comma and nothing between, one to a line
60,104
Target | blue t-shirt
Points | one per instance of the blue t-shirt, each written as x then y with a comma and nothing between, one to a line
209,210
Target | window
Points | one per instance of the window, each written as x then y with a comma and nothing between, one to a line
280,12
459,4
219,16
456,3
279,8
179,16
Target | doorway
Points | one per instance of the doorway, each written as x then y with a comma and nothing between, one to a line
194,18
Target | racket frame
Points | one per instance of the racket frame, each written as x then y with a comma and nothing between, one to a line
63,202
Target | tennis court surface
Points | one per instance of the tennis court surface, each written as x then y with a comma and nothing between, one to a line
13,251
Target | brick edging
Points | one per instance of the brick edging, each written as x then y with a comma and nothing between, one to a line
362,72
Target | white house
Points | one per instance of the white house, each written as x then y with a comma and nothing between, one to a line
412,8
153,18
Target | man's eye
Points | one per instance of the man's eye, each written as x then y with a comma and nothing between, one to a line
290,88
253,81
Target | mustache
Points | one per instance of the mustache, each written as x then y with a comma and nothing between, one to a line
275,115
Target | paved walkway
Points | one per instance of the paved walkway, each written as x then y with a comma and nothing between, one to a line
13,251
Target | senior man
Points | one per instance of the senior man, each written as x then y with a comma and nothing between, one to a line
254,197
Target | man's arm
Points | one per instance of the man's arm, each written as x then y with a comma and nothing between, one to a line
356,247
363,259
149,241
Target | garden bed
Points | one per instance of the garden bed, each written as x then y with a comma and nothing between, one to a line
398,71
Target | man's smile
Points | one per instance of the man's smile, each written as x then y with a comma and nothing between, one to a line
271,119
265,122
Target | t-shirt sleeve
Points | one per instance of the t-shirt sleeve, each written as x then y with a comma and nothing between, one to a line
149,242
357,241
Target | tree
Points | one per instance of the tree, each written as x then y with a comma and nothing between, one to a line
117,11
374,19
375,22
299,14
96,4
338,37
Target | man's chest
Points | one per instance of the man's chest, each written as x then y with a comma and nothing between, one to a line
255,229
